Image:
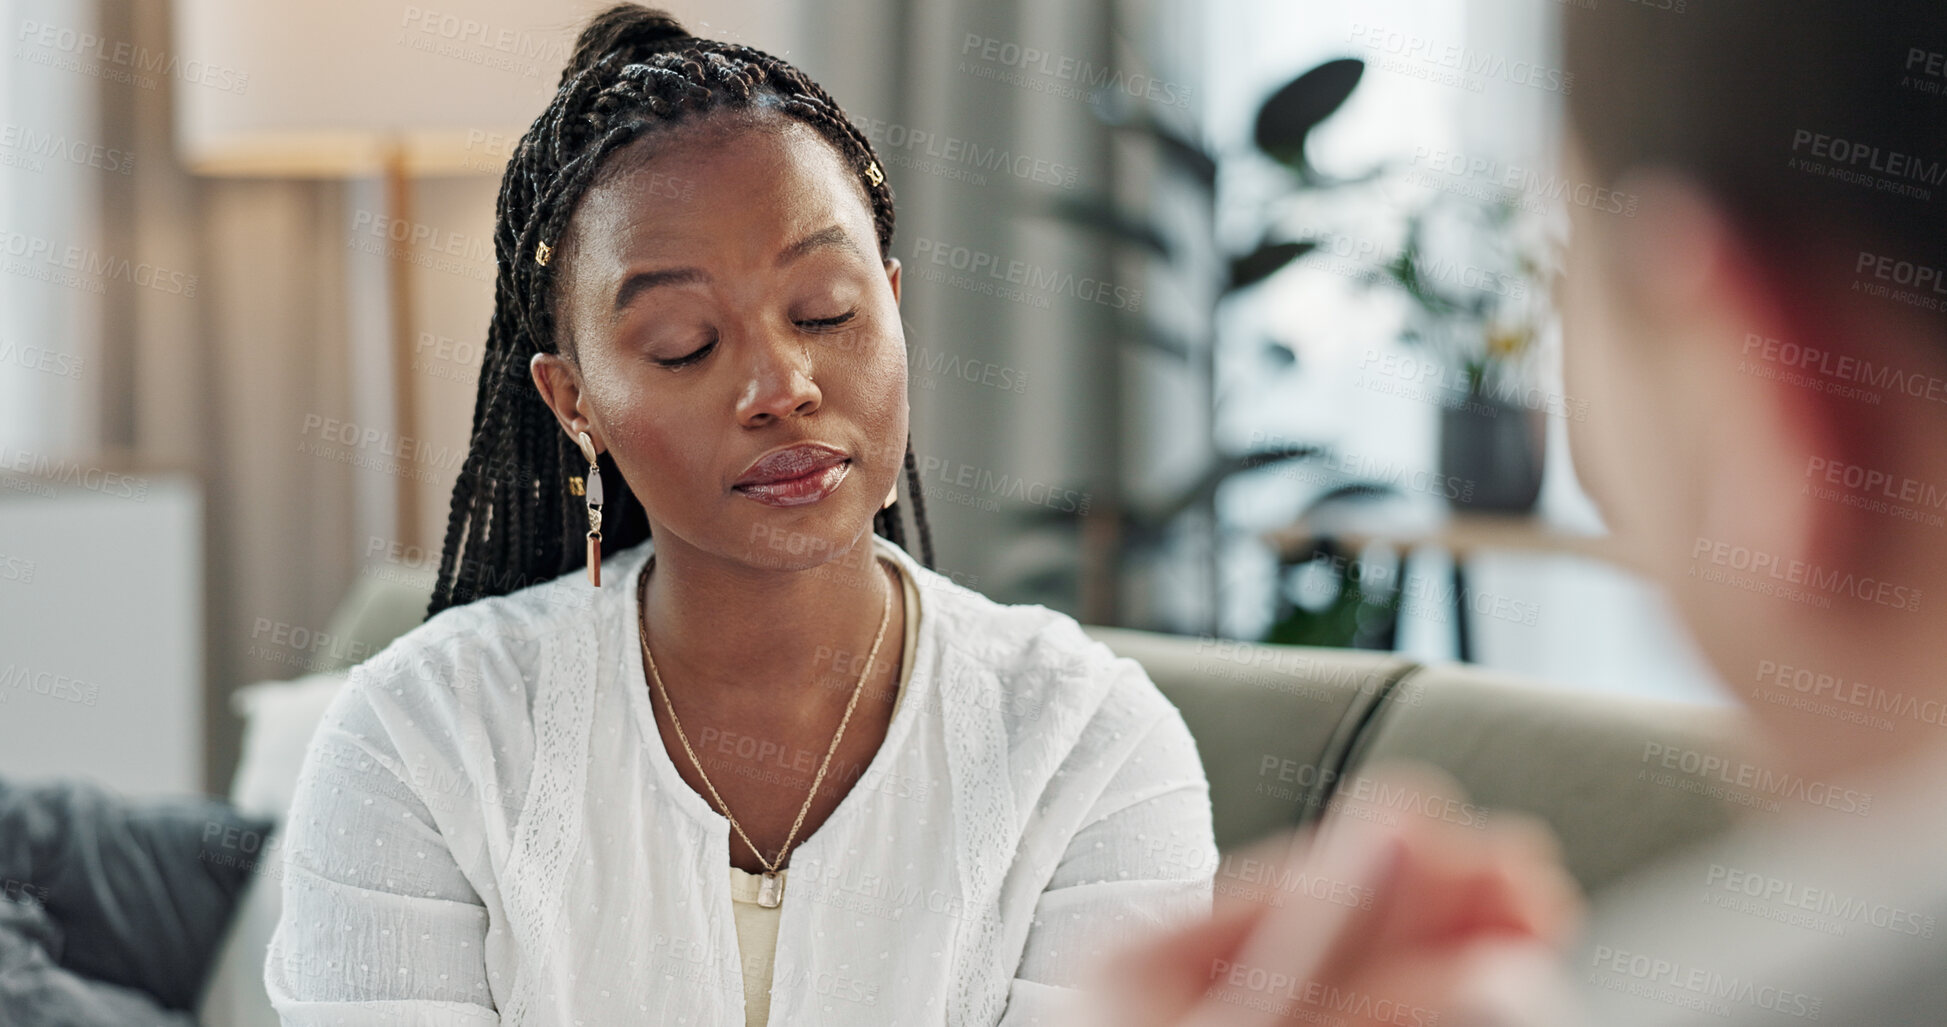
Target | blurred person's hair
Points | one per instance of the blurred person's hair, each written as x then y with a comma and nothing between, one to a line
1734,93
634,70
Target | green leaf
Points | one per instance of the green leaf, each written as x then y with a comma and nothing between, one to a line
1104,217
1289,115
1184,153
1265,261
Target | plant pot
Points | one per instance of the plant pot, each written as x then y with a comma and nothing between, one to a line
1491,454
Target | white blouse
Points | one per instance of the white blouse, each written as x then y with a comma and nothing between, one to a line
756,922
488,829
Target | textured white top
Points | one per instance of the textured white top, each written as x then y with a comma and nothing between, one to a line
488,829
757,923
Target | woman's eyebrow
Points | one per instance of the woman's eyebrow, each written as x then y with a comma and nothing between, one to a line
830,235
642,281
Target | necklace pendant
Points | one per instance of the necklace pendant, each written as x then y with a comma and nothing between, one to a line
770,891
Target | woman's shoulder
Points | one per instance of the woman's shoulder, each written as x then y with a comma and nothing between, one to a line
445,712
474,665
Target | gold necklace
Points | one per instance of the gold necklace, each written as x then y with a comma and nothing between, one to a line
770,892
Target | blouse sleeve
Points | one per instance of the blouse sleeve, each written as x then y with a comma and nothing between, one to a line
1144,861
378,925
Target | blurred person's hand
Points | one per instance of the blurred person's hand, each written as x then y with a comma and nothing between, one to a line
1385,914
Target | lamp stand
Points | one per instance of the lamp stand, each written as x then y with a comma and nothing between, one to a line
398,201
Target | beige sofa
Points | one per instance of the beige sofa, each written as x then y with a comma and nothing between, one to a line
1284,733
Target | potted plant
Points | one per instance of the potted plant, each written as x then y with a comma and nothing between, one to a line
1283,125
1472,270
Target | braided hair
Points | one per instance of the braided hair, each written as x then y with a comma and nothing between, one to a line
513,522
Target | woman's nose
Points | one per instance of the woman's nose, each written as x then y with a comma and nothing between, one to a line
778,381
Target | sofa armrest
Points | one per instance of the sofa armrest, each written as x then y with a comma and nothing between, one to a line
1283,731
1589,764
1273,724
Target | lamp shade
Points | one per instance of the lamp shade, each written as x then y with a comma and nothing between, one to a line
331,88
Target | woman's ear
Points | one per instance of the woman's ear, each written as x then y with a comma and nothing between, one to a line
892,277
560,389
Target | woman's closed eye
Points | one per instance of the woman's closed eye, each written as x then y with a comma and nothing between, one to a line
824,324
815,324
692,358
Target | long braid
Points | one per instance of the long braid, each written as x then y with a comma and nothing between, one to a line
919,509
634,70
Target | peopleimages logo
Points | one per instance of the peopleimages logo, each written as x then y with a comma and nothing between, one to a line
55,686
351,435
1714,769
1875,482
1709,990
86,268
981,480
62,472
517,51
1925,70
1849,159
64,47
41,358
890,138
1535,187
1070,69
1844,368
1769,570
27,144
1919,285
1901,272
1021,273
1450,64
1870,698
1823,902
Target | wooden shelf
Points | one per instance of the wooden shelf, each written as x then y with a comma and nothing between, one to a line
1461,533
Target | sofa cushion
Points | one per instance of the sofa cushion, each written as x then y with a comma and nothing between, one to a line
36,989
140,891
279,718
378,608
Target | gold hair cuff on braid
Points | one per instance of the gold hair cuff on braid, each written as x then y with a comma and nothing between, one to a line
541,254
872,172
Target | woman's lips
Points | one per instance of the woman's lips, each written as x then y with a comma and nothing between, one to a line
808,488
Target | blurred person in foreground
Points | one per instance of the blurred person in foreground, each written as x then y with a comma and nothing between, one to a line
1763,349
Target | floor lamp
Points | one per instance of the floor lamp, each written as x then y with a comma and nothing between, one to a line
358,89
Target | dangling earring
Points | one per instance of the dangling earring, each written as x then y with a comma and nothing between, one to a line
592,488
